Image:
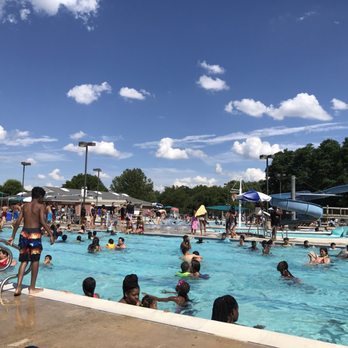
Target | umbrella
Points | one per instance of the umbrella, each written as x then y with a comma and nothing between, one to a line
254,196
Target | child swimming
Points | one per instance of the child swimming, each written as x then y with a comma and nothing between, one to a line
149,302
181,290
185,270
283,268
88,287
225,309
111,244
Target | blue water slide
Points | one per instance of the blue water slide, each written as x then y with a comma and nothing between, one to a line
313,210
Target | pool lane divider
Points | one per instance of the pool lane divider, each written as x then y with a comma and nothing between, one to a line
229,331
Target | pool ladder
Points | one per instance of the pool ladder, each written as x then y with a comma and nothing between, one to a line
4,281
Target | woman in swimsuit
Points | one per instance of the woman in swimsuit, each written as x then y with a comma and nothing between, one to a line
323,258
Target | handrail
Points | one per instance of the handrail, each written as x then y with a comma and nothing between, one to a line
10,256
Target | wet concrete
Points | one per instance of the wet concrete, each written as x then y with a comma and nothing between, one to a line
32,321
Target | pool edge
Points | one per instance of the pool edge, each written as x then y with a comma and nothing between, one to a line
229,331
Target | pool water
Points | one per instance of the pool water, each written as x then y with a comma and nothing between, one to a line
316,307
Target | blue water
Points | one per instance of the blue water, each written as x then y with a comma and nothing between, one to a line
315,308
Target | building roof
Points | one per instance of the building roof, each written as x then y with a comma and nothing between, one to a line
71,196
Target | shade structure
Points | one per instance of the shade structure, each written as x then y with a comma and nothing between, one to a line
224,207
254,197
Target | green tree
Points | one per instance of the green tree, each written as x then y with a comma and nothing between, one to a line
12,187
134,182
77,182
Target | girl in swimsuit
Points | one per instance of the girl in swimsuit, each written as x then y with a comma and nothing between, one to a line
88,287
181,290
323,258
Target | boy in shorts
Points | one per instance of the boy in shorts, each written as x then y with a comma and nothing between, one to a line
30,245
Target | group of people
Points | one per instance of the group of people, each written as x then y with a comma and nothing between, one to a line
225,308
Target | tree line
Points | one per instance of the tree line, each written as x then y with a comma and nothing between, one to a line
315,169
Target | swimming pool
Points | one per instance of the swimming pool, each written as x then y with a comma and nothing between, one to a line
316,308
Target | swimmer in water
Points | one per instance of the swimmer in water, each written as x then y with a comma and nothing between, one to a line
253,246
149,302
241,240
343,254
131,290
111,244
322,258
88,287
283,268
48,260
225,309
185,270
187,256
121,244
181,290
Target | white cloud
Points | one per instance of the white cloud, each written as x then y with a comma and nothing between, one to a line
77,7
218,168
103,148
41,176
306,15
21,138
338,105
166,150
87,94
254,174
212,69
229,107
82,9
212,139
131,93
212,84
195,181
24,13
250,174
302,105
250,107
78,135
21,134
55,175
104,175
253,147
31,160
3,133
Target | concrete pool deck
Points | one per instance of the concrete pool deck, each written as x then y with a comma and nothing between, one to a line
60,319
29,320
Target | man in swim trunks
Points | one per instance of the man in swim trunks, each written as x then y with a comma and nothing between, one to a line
30,245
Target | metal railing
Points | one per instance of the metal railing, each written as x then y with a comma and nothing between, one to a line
4,281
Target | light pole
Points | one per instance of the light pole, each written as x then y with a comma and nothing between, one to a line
98,170
280,176
266,157
24,164
85,144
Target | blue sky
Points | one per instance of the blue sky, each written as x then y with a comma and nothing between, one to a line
191,92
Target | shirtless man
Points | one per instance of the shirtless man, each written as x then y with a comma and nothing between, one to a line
30,245
187,256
